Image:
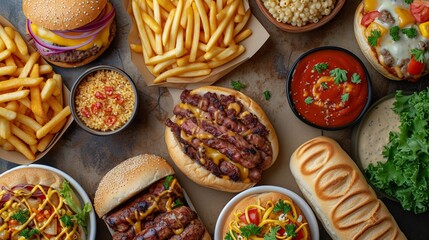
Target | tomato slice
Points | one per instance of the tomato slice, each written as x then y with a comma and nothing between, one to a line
253,217
110,120
119,99
368,18
85,112
420,10
99,95
415,67
96,107
108,90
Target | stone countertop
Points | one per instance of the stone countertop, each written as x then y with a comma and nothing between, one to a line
87,157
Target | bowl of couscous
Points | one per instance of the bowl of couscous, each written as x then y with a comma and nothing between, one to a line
104,100
299,15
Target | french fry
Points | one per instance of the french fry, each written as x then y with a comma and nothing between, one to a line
4,128
12,106
242,35
167,27
142,31
7,114
158,35
166,4
10,32
54,104
18,82
9,61
189,27
25,137
53,122
176,20
158,68
8,147
136,48
196,73
196,31
44,142
6,97
7,70
228,35
215,64
180,70
21,147
33,148
151,23
59,126
28,121
5,54
20,44
225,21
25,102
29,64
2,45
212,17
204,19
48,89
7,40
239,27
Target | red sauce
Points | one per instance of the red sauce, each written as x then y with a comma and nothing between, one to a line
321,100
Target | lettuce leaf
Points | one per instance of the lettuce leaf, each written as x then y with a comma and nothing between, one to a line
81,214
405,174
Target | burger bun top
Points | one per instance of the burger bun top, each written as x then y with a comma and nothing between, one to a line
128,179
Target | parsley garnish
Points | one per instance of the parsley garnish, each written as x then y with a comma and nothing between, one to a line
308,100
167,182
290,230
418,54
408,1
324,85
67,220
356,78
345,97
394,33
409,32
177,203
237,85
250,230
27,233
229,237
373,38
282,207
21,216
339,75
267,95
320,67
272,234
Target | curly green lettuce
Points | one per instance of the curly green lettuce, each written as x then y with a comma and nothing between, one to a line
405,174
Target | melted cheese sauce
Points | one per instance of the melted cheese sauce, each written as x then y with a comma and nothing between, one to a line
374,132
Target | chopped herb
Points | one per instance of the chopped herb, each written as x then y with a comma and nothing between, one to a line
167,181
267,95
177,203
408,1
324,85
345,97
290,230
21,216
320,67
409,32
356,78
282,207
272,234
418,54
394,33
228,236
27,233
373,38
308,100
237,85
250,230
339,75
67,220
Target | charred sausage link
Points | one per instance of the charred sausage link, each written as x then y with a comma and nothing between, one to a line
129,234
230,170
187,97
194,231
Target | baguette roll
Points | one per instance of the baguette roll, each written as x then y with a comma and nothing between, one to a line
339,194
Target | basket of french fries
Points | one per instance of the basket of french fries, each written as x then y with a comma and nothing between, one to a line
178,43
34,109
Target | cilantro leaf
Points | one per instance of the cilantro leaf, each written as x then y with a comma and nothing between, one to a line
250,230
272,234
408,1
267,95
319,67
340,75
308,100
67,220
409,32
418,54
237,85
282,207
394,33
345,97
27,233
228,236
356,78
373,38
21,216
324,85
290,230
177,203
167,182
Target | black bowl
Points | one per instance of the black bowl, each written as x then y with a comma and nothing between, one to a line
351,122
73,104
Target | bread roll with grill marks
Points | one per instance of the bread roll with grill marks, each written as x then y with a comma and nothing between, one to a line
339,194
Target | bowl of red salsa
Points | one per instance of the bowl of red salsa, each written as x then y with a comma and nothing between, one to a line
329,88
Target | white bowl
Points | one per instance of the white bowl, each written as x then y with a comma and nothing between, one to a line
77,188
299,201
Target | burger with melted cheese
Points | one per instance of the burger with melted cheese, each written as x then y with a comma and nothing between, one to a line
221,138
36,203
70,33
141,199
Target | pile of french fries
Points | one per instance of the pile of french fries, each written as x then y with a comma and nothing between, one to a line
188,38
32,110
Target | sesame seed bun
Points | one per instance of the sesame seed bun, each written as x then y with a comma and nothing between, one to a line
62,14
127,179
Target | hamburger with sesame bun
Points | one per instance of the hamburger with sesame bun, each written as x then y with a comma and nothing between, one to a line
70,33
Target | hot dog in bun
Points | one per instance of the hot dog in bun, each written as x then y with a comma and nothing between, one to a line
141,199
37,203
264,215
394,37
221,138
70,33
